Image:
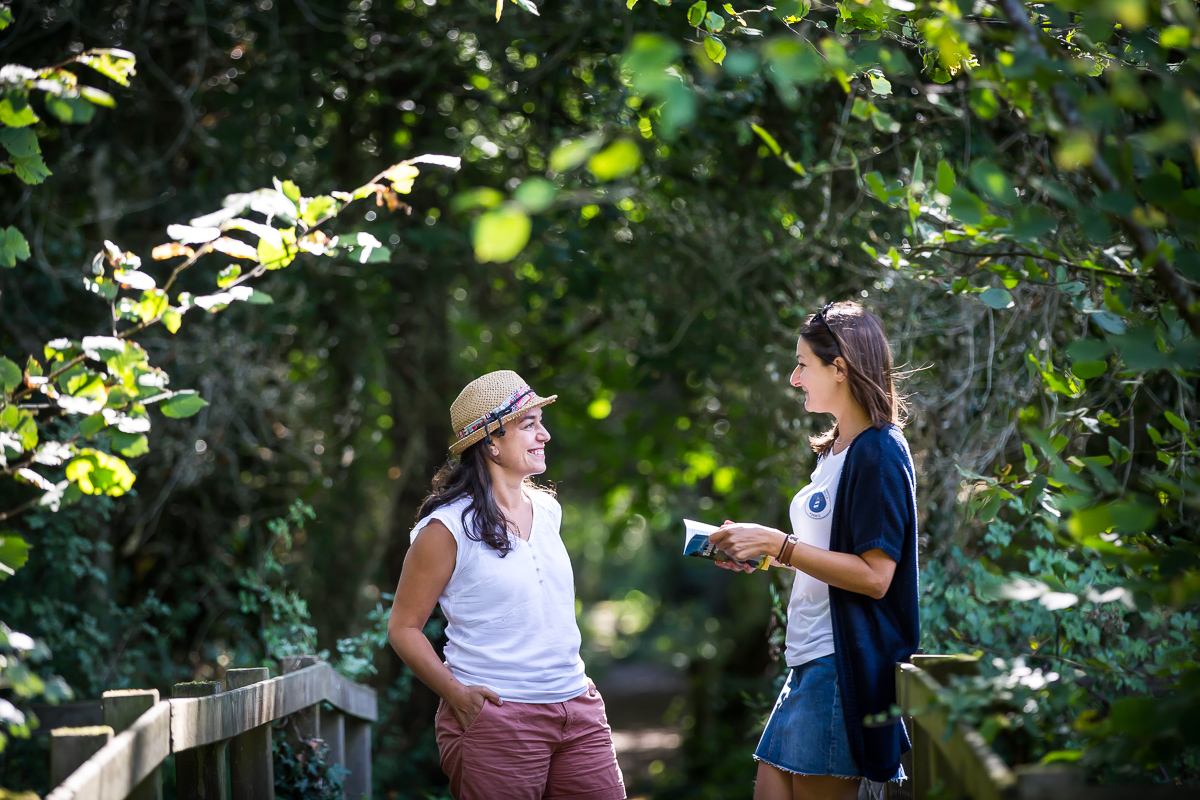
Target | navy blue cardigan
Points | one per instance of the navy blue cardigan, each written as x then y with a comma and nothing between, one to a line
875,508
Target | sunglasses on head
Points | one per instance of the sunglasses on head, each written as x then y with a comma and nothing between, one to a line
825,321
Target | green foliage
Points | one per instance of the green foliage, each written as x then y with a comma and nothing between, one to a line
303,771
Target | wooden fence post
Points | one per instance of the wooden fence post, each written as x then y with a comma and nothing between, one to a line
70,747
333,731
251,762
308,721
120,709
358,758
200,772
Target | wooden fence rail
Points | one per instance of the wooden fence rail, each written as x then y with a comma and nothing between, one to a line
955,761
204,727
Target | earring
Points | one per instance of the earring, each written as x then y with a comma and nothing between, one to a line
495,451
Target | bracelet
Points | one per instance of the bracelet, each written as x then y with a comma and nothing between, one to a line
788,548
779,556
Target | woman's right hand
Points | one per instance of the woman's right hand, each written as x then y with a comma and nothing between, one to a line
736,566
468,702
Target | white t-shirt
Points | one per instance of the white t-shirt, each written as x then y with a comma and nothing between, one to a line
511,621
810,626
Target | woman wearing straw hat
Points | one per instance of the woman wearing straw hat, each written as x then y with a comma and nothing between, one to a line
853,610
518,716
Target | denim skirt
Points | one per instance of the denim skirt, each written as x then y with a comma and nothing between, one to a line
806,733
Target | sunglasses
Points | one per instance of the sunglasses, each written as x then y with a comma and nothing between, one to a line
824,321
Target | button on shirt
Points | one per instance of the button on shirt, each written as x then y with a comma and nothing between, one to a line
810,626
511,621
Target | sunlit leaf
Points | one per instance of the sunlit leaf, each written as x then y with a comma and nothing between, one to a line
714,48
501,234
535,194
569,155
119,65
13,247
14,552
617,160
182,404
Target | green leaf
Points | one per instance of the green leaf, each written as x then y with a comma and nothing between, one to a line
1089,369
97,96
631,4
883,121
991,180
15,111
130,445
1176,422
715,23
111,63
715,49
13,247
875,184
6,17
1109,321
290,190
569,155
10,375
318,208
72,110
997,298
1175,36
31,170
479,197
792,10
535,194
99,473
14,552
879,84
617,160
90,426
20,142
273,257
984,103
501,234
697,13
228,275
945,178
182,404
767,138
964,205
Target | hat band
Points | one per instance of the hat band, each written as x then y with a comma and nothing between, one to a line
515,402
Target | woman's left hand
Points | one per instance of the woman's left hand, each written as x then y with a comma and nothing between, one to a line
746,541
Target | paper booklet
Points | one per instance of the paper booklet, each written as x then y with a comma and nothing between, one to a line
695,543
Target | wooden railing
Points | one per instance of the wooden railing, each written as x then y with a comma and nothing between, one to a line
221,740
955,761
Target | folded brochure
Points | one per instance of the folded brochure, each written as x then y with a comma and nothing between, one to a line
696,543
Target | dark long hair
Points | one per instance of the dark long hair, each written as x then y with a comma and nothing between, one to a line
848,330
468,476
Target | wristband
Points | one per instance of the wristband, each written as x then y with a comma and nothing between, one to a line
779,556
788,548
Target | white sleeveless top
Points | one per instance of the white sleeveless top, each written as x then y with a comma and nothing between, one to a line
810,624
511,621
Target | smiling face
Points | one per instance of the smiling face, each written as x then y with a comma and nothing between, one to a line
522,448
824,385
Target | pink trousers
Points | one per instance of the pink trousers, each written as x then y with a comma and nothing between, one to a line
530,751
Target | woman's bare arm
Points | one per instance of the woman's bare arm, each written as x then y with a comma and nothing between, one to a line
427,569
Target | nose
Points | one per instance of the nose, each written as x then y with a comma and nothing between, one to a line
795,379
543,435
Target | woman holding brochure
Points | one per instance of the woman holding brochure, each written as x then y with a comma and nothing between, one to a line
519,719
853,608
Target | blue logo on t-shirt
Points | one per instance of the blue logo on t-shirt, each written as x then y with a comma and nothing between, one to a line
817,505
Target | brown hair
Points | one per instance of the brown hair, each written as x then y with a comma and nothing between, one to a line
849,331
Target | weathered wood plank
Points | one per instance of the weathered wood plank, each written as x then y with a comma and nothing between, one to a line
118,767
251,763
200,772
71,747
204,720
983,775
121,708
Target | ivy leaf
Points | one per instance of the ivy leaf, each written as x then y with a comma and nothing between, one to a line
714,48
111,63
13,247
183,404
501,234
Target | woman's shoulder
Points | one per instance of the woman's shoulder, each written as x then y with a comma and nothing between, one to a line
545,498
880,447
449,515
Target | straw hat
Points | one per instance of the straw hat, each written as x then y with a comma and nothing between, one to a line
492,400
